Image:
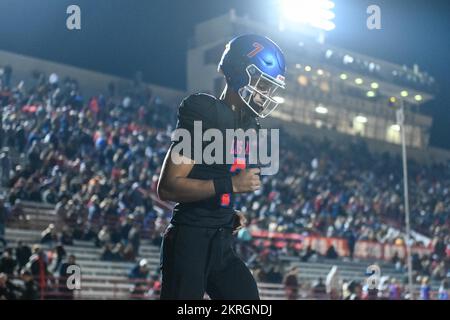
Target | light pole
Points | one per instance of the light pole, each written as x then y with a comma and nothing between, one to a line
401,122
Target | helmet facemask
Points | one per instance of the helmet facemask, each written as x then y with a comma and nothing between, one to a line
259,93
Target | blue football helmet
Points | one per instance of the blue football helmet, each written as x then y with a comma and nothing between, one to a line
254,67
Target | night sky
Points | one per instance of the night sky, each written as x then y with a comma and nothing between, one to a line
122,36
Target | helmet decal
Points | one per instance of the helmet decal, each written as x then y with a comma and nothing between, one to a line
258,48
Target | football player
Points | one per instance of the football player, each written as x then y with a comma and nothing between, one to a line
196,252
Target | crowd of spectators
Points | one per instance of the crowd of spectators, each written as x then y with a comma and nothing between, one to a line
98,159
333,193
95,160
30,273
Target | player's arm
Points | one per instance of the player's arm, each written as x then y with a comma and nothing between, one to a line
174,184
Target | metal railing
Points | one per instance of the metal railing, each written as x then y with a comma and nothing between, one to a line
92,287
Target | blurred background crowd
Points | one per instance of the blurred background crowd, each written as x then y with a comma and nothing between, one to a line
97,160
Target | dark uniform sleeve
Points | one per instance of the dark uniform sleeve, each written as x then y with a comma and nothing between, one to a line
197,107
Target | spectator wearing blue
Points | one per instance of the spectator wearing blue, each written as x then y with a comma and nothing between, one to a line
138,275
425,289
443,290
140,270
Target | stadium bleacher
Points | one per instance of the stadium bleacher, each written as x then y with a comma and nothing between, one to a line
108,280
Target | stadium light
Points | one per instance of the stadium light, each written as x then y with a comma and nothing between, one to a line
404,93
302,80
320,72
316,13
307,68
321,109
361,119
347,59
418,97
359,81
343,76
370,94
374,85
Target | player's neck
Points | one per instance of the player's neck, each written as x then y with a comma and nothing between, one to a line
232,100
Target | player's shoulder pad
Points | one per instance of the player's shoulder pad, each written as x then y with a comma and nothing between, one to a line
199,100
199,106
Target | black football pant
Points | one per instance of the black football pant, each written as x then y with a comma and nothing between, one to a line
197,260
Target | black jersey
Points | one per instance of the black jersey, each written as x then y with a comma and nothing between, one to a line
216,211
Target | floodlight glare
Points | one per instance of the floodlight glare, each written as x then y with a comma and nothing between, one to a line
361,119
347,59
316,13
321,109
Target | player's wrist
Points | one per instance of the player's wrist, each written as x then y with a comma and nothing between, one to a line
223,185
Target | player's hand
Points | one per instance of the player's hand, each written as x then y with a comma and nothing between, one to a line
239,222
246,180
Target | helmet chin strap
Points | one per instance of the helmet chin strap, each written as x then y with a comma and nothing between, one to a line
222,95
233,106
